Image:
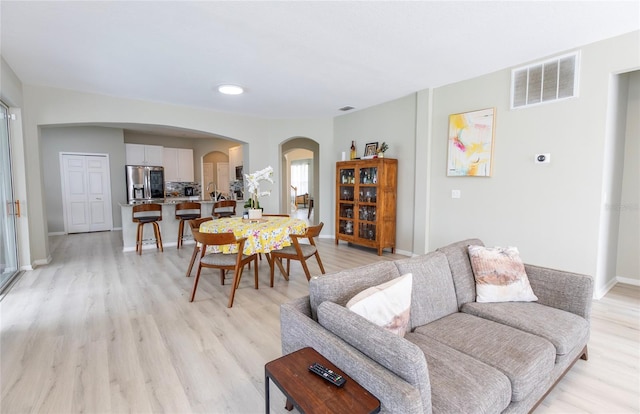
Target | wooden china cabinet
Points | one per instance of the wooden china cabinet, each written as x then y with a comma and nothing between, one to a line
366,202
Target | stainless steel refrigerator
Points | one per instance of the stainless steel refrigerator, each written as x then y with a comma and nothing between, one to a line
144,183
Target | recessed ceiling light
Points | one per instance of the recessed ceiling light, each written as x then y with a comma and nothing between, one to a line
230,89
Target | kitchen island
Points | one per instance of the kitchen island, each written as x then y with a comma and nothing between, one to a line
168,225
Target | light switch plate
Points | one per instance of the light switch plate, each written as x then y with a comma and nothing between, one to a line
455,193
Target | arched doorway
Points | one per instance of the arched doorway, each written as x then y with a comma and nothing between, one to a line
215,173
294,149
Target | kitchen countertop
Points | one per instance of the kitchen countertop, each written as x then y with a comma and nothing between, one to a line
173,200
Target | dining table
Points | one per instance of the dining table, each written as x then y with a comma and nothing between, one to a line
263,235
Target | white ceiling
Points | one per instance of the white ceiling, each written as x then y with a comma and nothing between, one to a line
296,59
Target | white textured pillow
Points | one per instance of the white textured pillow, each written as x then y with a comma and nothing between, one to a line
500,275
387,305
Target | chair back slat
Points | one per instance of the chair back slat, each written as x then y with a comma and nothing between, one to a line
215,239
195,224
141,210
314,231
187,206
224,208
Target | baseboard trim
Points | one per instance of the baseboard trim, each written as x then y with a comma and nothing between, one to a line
57,233
152,246
41,262
628,281
618,279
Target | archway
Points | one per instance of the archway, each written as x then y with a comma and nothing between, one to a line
215,173
287,148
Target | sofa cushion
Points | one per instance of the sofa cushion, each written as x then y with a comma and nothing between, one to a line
387,305
391,351
500,275
459,383
563,329
460,266
525,359
341,286
433,295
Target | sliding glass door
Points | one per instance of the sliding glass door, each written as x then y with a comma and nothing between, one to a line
10,209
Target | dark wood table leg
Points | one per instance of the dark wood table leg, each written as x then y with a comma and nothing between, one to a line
289,405
266,393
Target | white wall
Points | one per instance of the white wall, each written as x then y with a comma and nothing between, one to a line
50,107
283,131
94,140
394,123
551,211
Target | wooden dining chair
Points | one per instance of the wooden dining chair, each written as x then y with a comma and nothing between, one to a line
235,262
194,225
298,251
224,208
143,214
184,212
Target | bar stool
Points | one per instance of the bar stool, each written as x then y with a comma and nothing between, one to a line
147,213
224,208
185,212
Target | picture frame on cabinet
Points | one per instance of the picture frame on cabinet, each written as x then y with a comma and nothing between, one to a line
370,150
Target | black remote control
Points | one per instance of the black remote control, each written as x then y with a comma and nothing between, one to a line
327,374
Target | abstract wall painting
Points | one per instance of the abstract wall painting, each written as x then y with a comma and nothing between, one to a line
471,143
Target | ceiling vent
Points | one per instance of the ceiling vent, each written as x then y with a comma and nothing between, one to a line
346,108
547,81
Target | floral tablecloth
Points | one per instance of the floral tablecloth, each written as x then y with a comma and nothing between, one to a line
263,237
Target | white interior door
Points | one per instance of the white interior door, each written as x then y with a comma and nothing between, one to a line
222,169
86,192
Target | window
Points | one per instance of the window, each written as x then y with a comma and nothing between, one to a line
300,176
546,81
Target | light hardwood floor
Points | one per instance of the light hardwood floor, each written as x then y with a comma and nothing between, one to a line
98,330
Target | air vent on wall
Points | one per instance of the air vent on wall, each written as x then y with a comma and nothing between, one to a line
546,81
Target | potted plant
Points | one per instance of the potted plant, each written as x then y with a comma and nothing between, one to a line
253,189
382,149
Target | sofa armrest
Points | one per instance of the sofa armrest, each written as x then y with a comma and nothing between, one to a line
572,292
299,330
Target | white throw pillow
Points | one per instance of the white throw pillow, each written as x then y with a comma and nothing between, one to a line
500,275
387,305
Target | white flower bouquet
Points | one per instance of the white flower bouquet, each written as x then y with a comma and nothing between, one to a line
253,186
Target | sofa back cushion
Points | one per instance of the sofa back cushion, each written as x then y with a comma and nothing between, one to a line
341,286
433,295
461,270
393,352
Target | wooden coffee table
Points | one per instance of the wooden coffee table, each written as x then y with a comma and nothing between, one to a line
311,394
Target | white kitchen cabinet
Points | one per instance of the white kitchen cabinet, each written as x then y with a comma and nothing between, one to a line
235,160
178,164
138,154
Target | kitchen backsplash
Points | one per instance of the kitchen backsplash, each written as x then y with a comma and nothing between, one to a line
177,189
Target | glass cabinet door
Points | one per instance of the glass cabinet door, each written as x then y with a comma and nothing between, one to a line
367,199
346,203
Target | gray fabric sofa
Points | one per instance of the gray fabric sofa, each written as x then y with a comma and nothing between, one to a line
459,356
